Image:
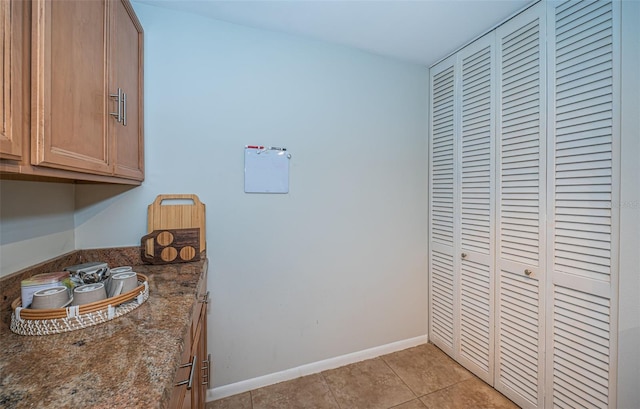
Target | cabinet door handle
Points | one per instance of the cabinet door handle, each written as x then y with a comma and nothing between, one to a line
206,367
188,382
528,272
118,97
124,109
463,255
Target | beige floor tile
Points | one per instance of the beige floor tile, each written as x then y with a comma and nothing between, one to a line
426,368
309,392
367,385
239,401
414,404
472,393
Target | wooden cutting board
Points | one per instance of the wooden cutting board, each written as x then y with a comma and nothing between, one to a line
177,211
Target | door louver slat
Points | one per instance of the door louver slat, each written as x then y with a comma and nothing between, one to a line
476,151
588,123
524,152
518,336
474,313
581,348
442,159
442,297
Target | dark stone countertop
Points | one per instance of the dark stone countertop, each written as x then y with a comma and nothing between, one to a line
128,362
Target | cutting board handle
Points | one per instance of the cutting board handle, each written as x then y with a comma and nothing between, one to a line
145,245
161,198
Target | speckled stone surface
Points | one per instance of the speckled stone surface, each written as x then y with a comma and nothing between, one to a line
129,362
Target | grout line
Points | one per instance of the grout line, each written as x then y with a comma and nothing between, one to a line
399,377
448,386
401,380
251,398
330,390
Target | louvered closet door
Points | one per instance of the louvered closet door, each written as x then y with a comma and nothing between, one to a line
584,150
476,180
521,201
442,286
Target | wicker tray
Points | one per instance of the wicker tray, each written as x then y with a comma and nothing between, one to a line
25,321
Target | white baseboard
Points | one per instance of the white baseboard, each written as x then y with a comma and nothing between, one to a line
312,368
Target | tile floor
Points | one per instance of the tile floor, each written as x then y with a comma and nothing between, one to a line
422,377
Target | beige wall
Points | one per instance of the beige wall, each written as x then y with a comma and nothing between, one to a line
36,223
336,266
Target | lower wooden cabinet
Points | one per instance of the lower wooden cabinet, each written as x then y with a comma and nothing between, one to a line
193,376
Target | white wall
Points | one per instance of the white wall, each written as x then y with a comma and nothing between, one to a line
36,223
338,265
629,285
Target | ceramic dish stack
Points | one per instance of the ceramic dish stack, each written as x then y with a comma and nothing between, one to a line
27,321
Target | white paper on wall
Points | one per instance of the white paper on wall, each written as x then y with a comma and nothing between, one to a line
266,169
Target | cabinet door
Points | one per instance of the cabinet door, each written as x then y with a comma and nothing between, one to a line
584,150
204,360
126,74
199,389
206,364
14,69
521,202
442,242
69,85
194,353
476,179
181,396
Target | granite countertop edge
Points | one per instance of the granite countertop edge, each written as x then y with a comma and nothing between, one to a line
128,362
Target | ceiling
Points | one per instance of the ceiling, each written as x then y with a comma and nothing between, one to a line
420,31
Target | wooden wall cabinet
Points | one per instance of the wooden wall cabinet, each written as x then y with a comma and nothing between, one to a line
193,376
86,87
14,69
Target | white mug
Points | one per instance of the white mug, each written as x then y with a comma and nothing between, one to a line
48,298
123,283
89,293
